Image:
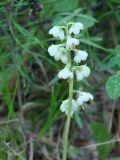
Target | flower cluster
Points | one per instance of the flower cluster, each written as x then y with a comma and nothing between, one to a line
62,52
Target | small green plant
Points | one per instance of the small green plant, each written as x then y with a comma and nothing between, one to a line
68,36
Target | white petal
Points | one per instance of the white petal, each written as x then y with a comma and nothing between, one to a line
65,105
61,35
84,55
54,31
80,56
75,28
74,106
86,96
85,71
52,50
65,73
90,96
57,32
80,101
64,59
55,51
79,76
71,42
77,58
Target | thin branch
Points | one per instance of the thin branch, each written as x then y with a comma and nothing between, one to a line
96,144
13,151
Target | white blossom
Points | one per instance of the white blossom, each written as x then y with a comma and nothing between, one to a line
57,32
64,56
65,73
84,97
75,28
82,71
71,42
59,53
62,52
54,51
65,104
80,56
64,59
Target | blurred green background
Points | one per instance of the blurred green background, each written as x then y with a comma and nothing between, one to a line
31,124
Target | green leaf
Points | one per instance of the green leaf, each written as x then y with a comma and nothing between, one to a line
117,52
113,86
78,120
88,21
65,5
93,44
106,66
101,134
60,20
115,1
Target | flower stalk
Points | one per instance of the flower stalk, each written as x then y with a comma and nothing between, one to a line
67,127
62,52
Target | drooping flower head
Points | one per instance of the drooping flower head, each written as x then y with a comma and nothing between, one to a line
75,28
71,42
57,32
54,51
84,97
82,71
65,73
65,104
80,56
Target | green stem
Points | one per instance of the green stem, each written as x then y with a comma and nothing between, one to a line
65,145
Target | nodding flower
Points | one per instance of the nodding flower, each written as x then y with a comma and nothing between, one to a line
57,32
82,71
65,104
75,28
80,56
65,73
71,42
84,97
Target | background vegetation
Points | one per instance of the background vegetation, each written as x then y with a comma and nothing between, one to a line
31,124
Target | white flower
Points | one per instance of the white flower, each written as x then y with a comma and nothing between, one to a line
65,104
80,56
82,71
59,53
64,59
54,51
84,97
71,42
75,28
57,32
64,56
65,73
